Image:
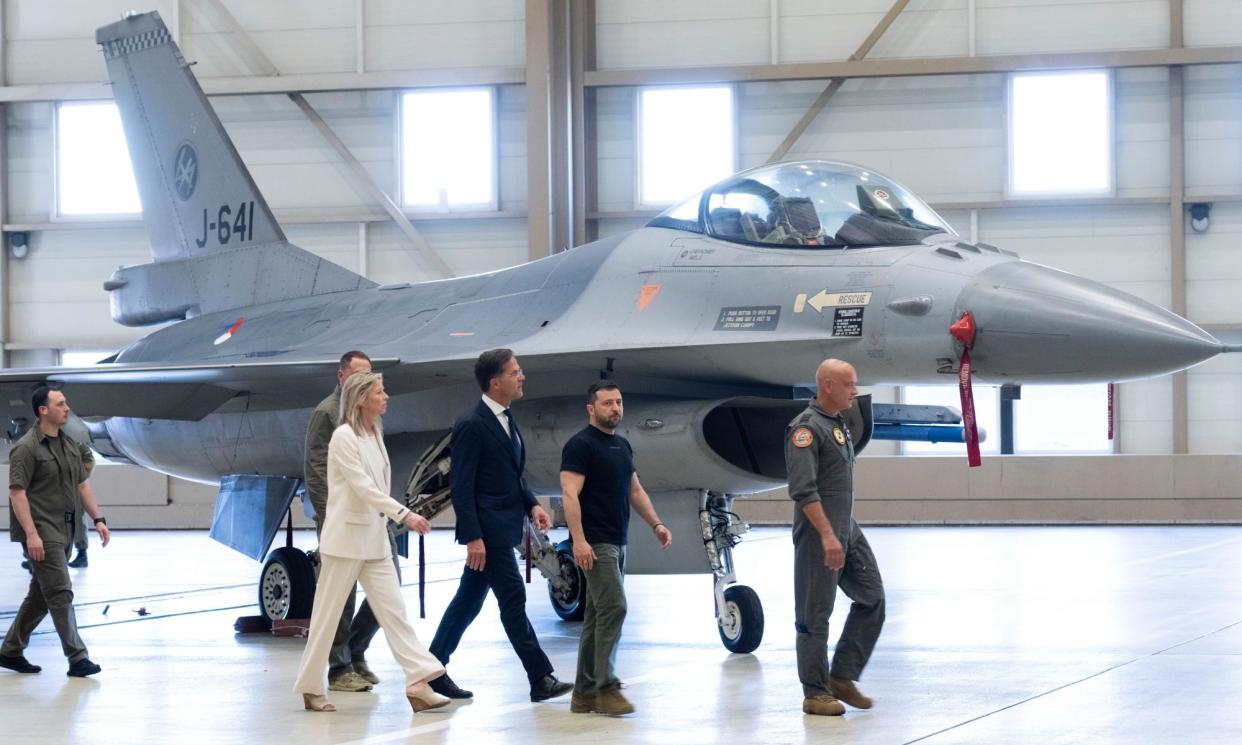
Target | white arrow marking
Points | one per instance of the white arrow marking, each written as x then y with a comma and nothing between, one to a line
820,301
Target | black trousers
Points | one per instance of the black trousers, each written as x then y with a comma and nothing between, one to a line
500,575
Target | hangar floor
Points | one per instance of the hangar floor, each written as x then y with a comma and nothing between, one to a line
995,635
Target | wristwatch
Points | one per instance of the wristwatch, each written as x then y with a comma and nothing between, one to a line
101,519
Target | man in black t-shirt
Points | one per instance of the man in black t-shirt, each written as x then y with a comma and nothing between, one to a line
598,486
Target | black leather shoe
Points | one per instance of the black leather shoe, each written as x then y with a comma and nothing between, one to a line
83,668
548,687
18,664
80,561
445,686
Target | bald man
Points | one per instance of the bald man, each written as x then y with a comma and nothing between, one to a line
830,550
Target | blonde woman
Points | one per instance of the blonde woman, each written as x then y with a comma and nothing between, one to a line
354,548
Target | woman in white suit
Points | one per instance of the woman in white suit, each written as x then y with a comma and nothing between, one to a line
354,548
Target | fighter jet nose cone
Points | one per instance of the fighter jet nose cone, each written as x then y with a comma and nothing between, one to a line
1037,324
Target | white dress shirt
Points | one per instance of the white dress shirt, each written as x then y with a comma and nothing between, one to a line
499,411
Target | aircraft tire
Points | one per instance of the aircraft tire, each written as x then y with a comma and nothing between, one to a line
742,630
286,584
571,607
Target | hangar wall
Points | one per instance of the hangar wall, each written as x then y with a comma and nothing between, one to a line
943,136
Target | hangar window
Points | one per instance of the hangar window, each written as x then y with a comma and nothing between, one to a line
81,358
685,141
93,171
1061,419
448,149
1060,133
987,415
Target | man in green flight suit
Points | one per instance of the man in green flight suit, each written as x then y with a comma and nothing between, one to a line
47,492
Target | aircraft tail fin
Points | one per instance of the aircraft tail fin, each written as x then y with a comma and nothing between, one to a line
199,201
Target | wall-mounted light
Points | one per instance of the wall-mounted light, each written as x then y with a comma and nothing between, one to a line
1200,216
19,245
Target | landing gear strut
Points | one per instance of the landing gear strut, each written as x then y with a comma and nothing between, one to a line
739,614
429,493
566,582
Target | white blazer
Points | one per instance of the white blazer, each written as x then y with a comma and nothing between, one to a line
359,475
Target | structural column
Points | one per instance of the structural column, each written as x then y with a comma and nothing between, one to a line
549,126
1177,221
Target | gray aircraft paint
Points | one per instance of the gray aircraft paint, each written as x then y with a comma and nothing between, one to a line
193,401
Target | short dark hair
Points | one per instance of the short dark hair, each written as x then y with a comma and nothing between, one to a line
39,398
352,355
489,365
600,385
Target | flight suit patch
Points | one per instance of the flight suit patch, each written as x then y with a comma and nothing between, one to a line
802,437
838,435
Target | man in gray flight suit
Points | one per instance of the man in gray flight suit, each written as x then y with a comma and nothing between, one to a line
47,491
829,547
347,666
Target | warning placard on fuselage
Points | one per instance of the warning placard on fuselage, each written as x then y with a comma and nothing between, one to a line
749,318
847,321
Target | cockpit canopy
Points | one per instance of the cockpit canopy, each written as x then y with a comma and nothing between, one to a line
811,204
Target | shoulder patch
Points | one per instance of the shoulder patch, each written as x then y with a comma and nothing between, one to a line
802,437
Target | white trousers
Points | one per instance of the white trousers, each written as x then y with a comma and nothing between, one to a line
378,578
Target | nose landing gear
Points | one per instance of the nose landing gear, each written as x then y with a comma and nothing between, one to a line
739,614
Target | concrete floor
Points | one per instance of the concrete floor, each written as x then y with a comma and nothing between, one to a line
995,635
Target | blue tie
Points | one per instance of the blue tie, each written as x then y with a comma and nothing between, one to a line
513,437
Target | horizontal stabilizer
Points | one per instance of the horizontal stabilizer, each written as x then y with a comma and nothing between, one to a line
187,392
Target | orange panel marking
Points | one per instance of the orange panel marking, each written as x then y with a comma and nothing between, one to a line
647,294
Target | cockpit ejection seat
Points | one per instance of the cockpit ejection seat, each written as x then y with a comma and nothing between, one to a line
728,222
797,223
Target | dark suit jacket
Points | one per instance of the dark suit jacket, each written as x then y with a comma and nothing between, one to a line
490,496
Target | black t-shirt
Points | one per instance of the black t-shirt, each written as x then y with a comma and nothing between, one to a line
607,462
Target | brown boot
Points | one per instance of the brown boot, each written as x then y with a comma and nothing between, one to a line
580,703
845,690
822,704
612,703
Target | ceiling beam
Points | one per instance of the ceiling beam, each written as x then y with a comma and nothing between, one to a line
836,83
252,55
284,84
985,204
255,58
917,66
516,75
364,179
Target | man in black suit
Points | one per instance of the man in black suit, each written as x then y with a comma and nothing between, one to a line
492,501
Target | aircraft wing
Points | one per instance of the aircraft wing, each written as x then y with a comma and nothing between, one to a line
179,391
189,391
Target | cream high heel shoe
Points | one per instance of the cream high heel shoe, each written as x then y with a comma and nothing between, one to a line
422,698
313,702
